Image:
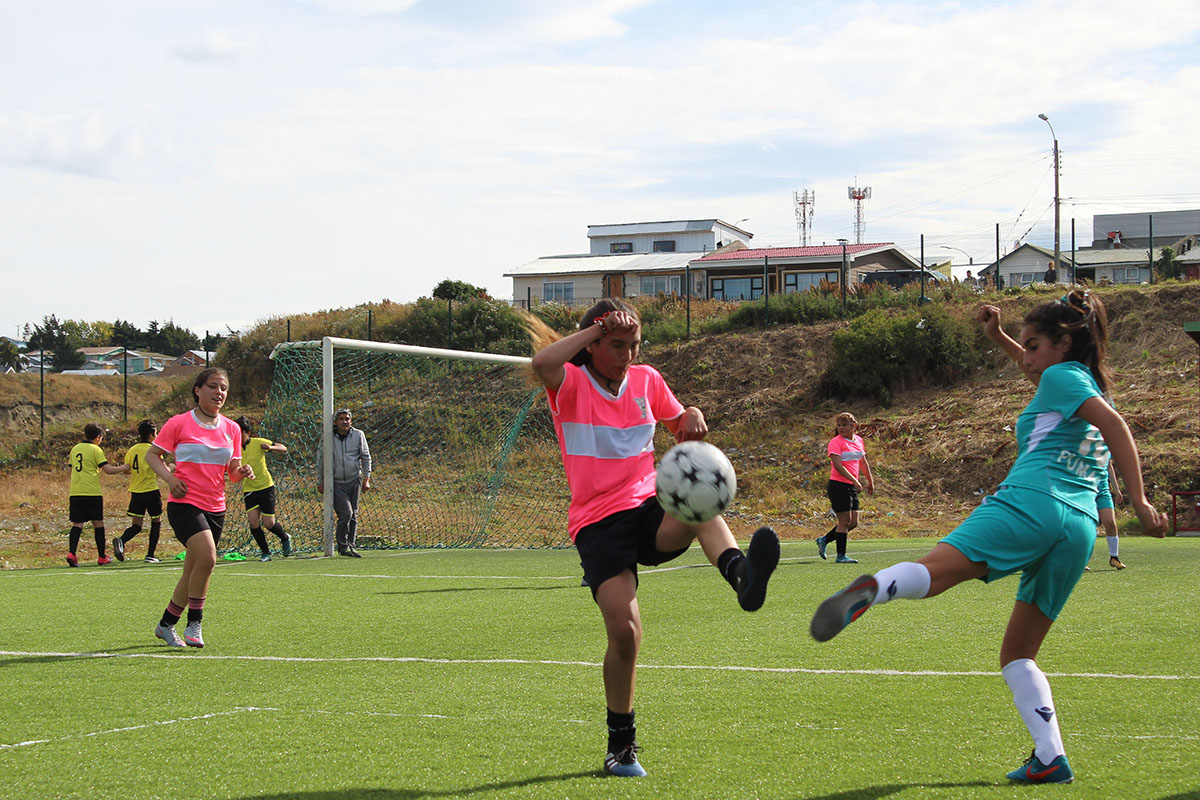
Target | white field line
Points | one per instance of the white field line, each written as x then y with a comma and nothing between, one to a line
921,673
129,728
158,570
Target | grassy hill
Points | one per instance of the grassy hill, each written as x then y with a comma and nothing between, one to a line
935,451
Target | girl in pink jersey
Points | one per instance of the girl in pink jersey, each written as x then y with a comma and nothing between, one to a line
605,411
848,469
206,446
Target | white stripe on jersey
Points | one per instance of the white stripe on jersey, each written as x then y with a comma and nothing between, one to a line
601,441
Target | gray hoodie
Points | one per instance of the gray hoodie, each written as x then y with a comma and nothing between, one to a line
351,457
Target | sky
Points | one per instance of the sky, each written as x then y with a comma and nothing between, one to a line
220,163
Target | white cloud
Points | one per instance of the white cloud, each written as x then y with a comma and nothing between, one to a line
215,45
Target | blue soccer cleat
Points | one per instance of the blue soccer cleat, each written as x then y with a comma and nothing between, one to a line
624,763
846,560
822,543
838,611
1034,771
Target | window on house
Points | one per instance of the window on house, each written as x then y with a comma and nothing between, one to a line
803,281
737,288
667,284
620,247
559,292
666,246
1130,274
1024,278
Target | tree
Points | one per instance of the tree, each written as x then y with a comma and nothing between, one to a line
10,356
457,290
1168,266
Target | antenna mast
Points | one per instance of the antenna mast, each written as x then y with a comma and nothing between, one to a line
858,194
804,203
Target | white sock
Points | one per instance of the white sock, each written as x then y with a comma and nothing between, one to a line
1031,694
908,580
1112,545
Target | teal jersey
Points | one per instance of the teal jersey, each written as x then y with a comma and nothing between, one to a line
1059,453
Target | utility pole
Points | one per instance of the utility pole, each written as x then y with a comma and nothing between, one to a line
1057,197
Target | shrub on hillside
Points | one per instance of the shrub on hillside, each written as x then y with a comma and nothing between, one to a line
880,354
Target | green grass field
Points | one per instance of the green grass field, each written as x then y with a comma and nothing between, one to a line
433,674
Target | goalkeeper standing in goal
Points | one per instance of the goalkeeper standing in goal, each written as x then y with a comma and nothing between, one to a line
206,446
260,491
1041,522
605,411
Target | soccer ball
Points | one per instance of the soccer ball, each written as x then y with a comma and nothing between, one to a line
695,482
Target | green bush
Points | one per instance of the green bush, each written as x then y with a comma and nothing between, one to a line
879,354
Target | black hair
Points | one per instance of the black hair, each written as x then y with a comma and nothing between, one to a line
1081,315
91,431
605,306
244,423
146,429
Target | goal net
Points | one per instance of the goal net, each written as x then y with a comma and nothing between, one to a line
463,448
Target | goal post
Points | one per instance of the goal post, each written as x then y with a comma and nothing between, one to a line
462,443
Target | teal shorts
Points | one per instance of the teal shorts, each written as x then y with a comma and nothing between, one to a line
1046,540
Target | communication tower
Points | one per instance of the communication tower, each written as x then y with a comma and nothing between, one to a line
804,203
858,194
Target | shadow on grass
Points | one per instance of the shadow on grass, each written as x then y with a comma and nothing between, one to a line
111,652
415,794
874,792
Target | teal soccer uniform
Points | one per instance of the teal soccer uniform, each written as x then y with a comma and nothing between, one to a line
1042,520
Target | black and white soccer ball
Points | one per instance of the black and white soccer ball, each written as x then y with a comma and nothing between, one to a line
695,482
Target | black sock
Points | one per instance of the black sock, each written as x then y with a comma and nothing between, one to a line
155,526
100,541
260,539
195,615
278,530
829,536
621,730
73,539
731,563
841,543
130,532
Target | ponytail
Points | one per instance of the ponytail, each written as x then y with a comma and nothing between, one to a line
1080,315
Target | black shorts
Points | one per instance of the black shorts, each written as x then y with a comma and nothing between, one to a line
621,541
262,499
141,503
842,496
186,520
86,508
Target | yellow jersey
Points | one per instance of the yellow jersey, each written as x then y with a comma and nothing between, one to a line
256,457
141,477
86,459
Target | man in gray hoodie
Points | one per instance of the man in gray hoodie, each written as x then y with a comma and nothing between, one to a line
351,471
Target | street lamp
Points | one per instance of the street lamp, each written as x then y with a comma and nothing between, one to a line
1057,251
843,243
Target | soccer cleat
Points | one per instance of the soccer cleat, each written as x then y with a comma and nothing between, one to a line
168,635
151,560
822,543
191,635
838,611
624,763
350,551
287,546
118,548
102,560
846,560
1087,569
265,557
72,560
761,559
1115,562
1034,771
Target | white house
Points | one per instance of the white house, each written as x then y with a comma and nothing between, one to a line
625,260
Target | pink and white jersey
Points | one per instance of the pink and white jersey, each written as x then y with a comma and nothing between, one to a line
852,453
607,442
201,457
